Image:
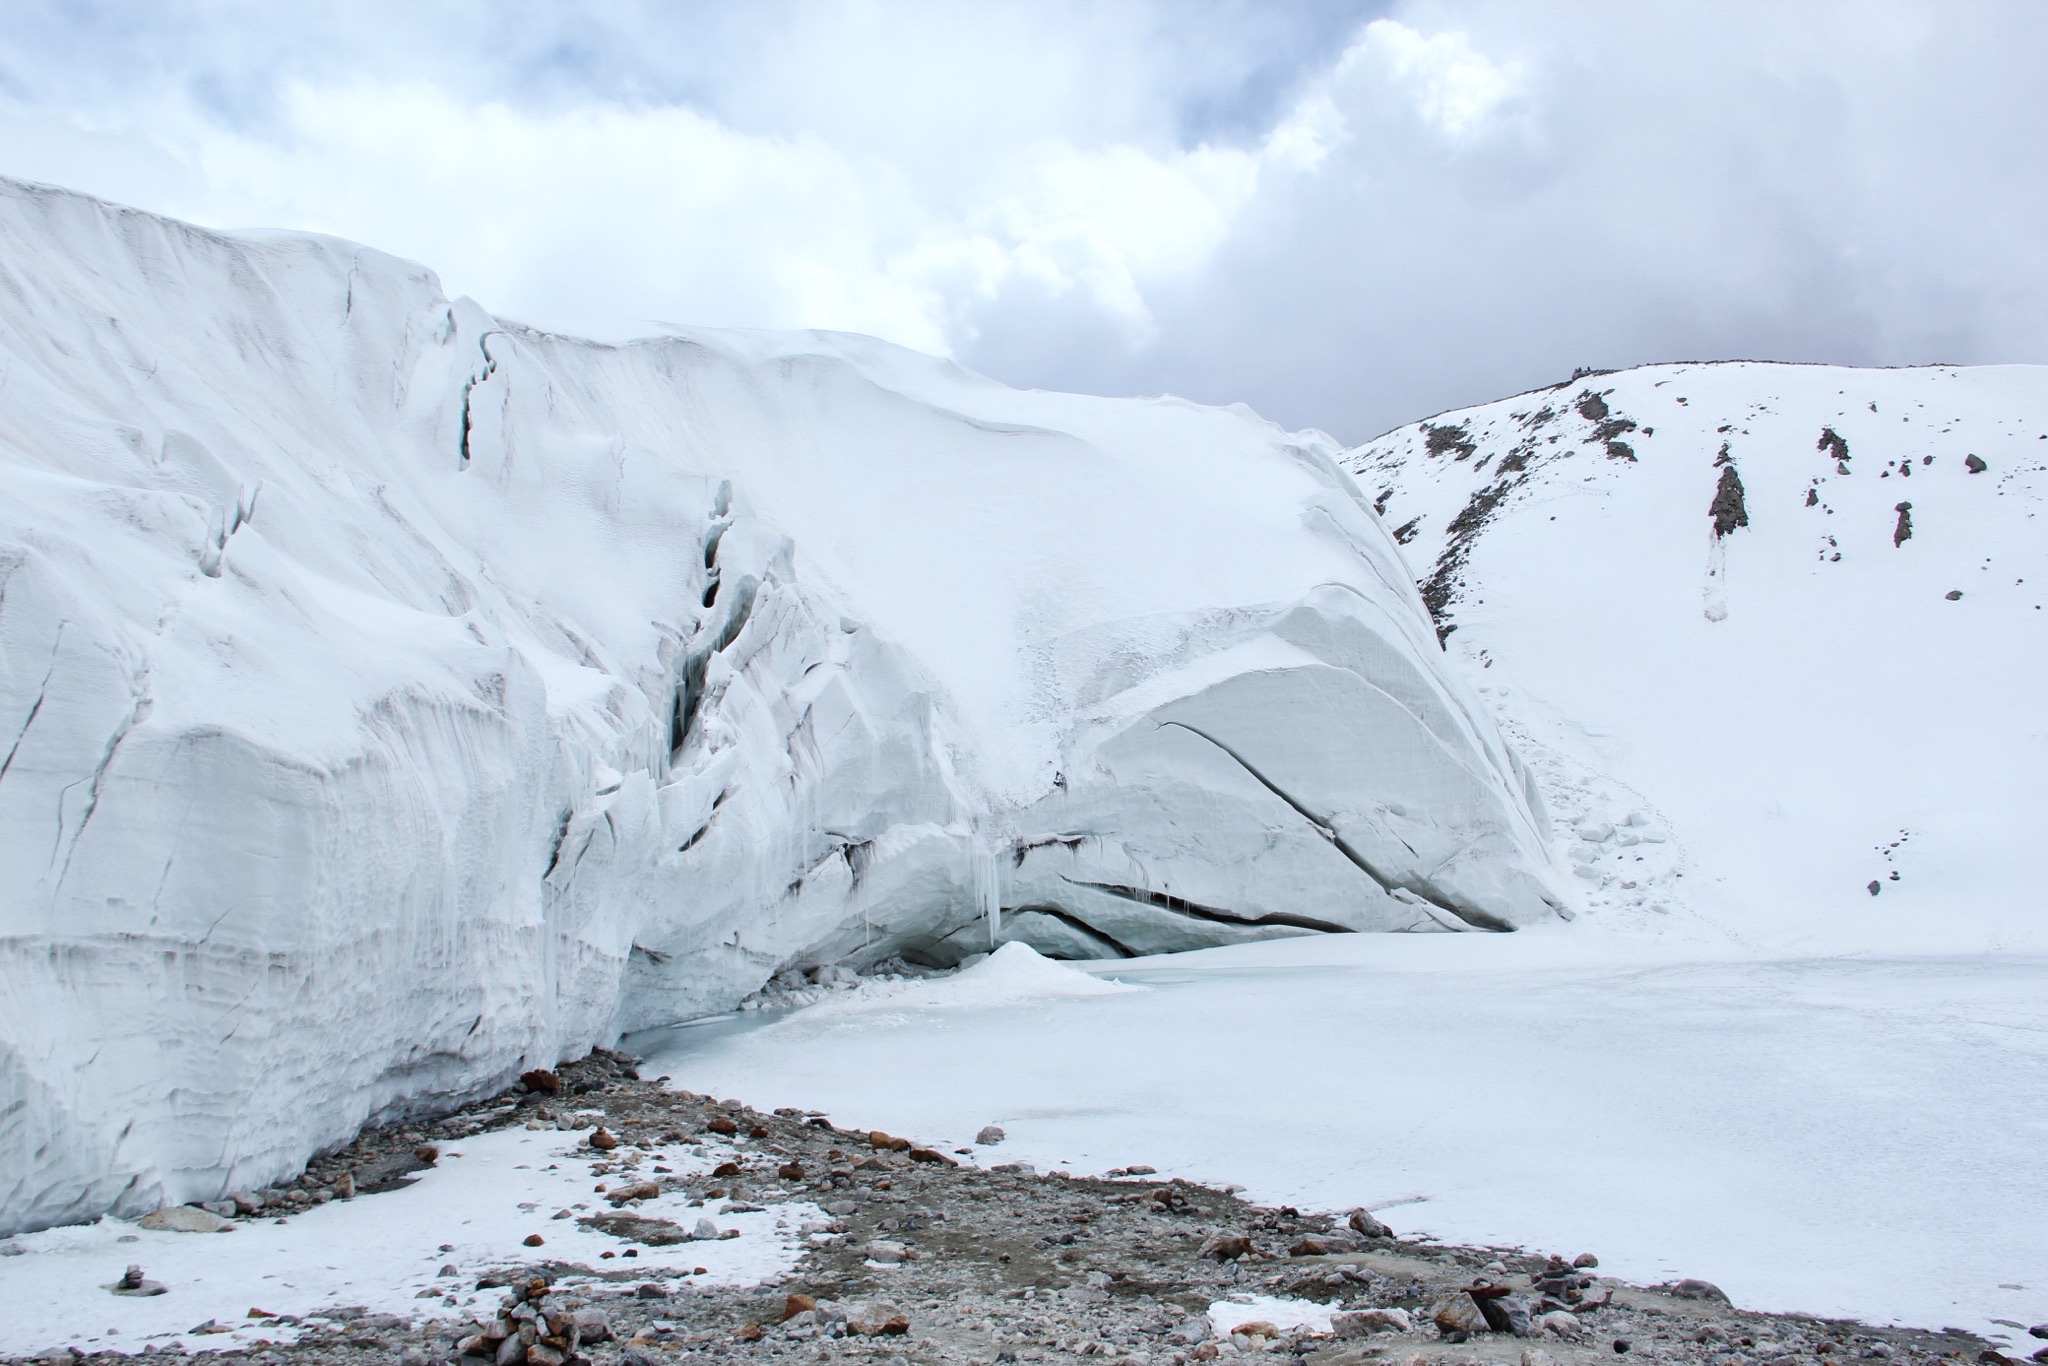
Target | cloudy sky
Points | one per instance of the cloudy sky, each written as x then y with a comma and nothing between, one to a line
1347,213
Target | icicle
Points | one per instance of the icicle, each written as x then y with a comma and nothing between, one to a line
988,889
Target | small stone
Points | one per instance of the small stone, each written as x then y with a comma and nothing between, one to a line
1363,1223
705,1231
888,1253
726,1169
1226,1247
1457,1317
592,1324
639,1190
183,1219
542,1080
791,1171
448,1269
1562,1322
1954,595
245,1202
876,1320
719,1124
990,1135
1621,1346
932,1155
345,1187
1974,465
1536,1356
1585,1261
1366,1322
427,1153
888,1142
797,1304
1690,1289
540,1354
649,1290
533,1240
602,1139
132,1283
750,1333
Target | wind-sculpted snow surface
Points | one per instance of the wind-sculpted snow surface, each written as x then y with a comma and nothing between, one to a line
392,697
1790,617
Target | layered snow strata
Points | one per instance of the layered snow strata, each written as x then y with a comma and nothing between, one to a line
393,696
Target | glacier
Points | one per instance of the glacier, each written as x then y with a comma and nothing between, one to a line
394,697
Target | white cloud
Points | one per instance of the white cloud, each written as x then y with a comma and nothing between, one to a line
1344,215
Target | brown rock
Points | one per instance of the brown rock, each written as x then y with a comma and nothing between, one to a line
639,1190
750,1333
726,1169
931,1155
602,1140
542,1080
758,1131
1225,1247
1586,1261
345,1188
1258,1328
791,1171
719,1124
533,1240
798,1304
888,1142
1458,1317
427,1153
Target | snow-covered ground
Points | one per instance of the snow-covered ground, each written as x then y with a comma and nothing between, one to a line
1802,707
383,1254
1854,1134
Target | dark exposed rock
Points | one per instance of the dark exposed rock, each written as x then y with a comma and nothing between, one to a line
1727,509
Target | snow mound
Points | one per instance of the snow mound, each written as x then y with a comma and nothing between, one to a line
393,697
1771,636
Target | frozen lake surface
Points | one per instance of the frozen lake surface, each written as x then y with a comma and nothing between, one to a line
1848,1135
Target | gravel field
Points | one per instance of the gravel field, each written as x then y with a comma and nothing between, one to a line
929,1256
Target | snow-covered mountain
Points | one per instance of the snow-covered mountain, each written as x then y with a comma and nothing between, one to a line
393,696
1788,619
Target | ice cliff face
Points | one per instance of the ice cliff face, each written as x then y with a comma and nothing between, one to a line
1789,618
392,696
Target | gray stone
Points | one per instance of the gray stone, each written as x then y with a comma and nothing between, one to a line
1366,1322
990,1135
1363,1222
183,1219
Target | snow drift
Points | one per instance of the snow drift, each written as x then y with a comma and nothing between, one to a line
393,696
1772,636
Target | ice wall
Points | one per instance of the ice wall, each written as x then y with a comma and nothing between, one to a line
393,696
